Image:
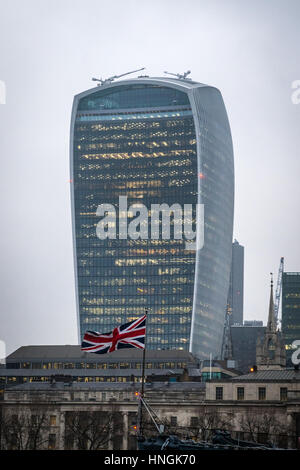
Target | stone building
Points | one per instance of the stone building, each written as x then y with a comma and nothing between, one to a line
108,410
265,402
260,404
30,364
270,351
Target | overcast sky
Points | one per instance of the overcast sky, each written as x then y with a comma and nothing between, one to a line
50,49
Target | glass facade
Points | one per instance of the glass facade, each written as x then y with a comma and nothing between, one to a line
145,139
244,340
235,302
290,311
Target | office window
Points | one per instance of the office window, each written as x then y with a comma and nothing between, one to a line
124,365
219,393
69,442
194,421
91,365
52,420
52,441
283,393
36,365
26,365
262,393
113,365
69,365
117,442
33,420
58,365
240,393
80,365
173,421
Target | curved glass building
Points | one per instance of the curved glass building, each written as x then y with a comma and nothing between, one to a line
155,141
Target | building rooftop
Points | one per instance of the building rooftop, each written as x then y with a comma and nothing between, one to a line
113,386
249,324
116,372
181,83
63,352
269,376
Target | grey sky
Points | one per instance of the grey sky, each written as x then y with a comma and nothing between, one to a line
49,50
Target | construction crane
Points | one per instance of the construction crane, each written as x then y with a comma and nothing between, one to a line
111,79
226,349
181,76
278,289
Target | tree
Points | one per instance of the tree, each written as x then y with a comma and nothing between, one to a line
263,427
24,428
91,430
209,420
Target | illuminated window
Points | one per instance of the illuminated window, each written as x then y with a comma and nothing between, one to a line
52,420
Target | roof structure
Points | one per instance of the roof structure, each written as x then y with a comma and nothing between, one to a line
162,81
270,376
63,352
113,386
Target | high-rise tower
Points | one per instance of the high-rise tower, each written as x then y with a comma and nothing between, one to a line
155,141
236,285
290,311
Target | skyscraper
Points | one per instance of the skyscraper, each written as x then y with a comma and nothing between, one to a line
290,311
154,141
236,285
244,340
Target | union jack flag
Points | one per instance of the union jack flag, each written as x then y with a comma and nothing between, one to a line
129,335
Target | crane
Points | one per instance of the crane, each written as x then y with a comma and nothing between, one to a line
226,349
111,79
181,76
278,289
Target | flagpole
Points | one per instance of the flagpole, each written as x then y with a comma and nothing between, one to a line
143,382
144,357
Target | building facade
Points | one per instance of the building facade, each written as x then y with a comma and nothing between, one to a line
265,402
290,311
265,405
93,416
244,340
67,363
152,141
236,285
